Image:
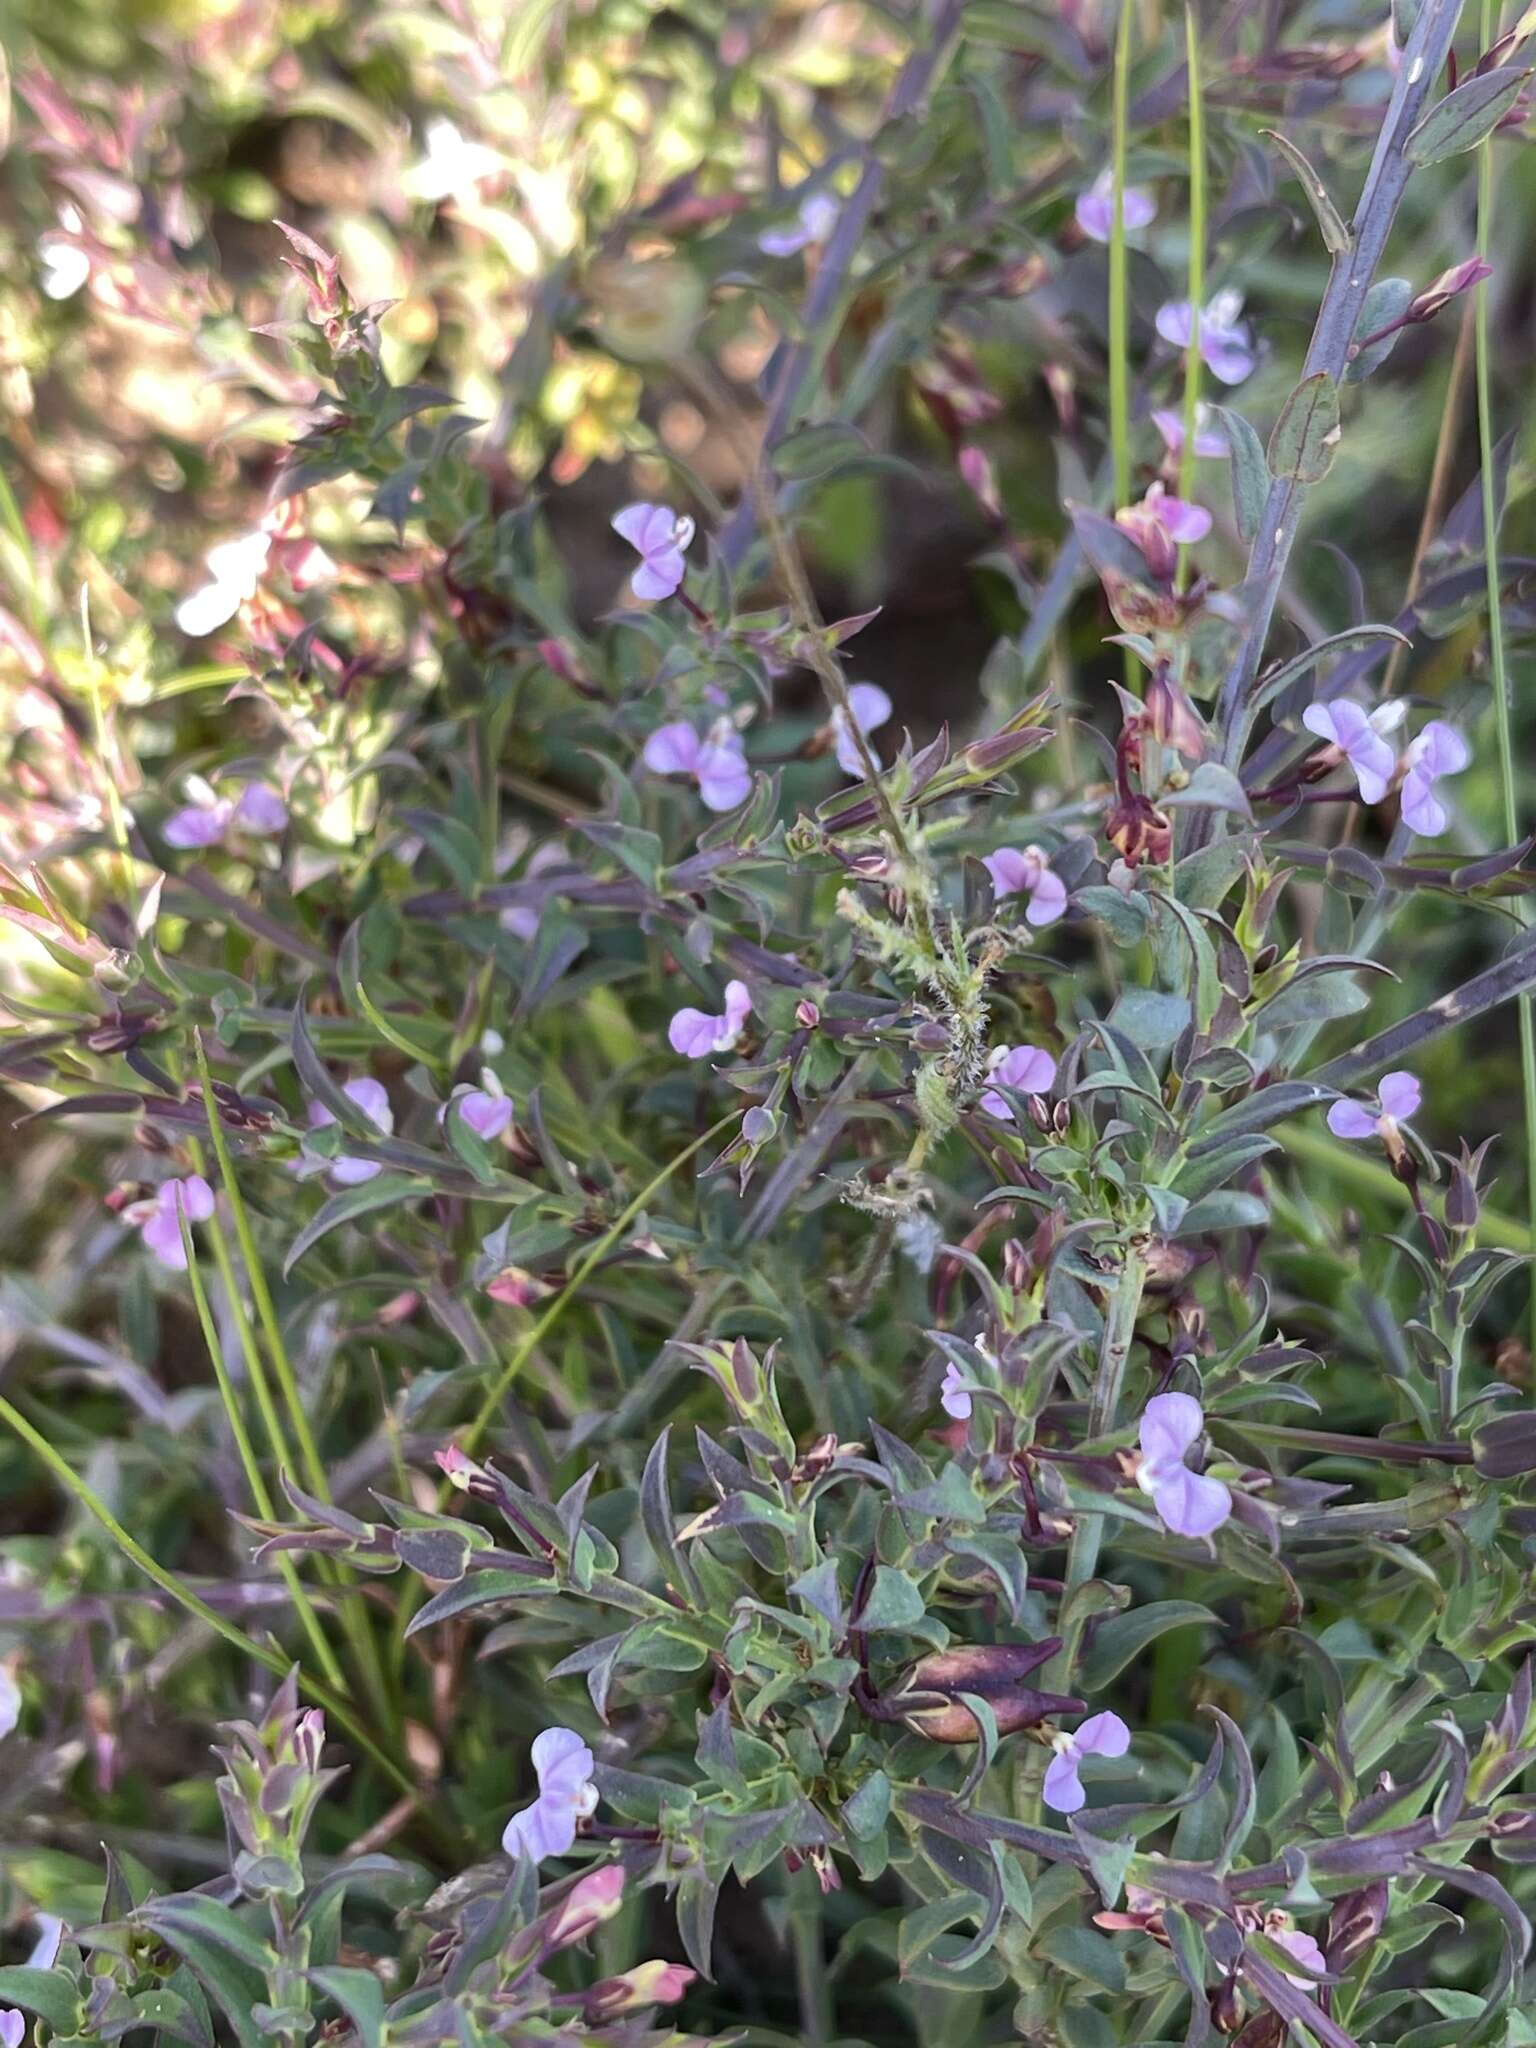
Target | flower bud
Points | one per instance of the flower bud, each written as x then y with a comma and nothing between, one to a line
654,1983
1355,1924
1461,277
995,1673
807,1016
1228,2010
590,1901
931,1036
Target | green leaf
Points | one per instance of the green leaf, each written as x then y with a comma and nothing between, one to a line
1250,472
1306,435
866,1811
661,1524
1211,787
1299,665
1465,117
1227,1209
1084,1954
381,1193
1385,303
1122,1637
1336,236
819,450
360,1996
894,1602
229,1961
52,1994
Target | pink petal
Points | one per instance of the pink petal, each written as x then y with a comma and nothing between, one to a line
486,1115
1185,522
1192,1505
1010,871
196,1197
1170,1423
1102,1735
673,749
1400,1096
1306,1952
738,1006
954,1395
1047,899
1351,1120
1063,1788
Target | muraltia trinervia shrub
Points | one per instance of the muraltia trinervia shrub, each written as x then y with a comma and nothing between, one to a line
766,961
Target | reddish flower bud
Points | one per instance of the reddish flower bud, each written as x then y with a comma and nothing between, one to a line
1171,718
995,1673
590,1901
654,1983
1461,277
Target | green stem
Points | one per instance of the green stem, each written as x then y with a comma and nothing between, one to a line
325,1656
1119,298
816,2018
1503,710
1192,364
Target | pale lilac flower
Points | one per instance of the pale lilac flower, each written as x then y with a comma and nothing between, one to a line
235,568
717,763
871,707
1306,1952
1188,1502
1226,347
258,810
695,1034
485,1111
10,1701
1397,1099
1028,1068
563,1764
199,824
1438,750
660,537
372,1100
1025,870
522,919
955,1393
815,220
13,2027
1358,734
451,166
1095,207
66,265
159,1219
1209,440
1099,1735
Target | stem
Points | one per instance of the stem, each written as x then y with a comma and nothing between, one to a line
1192,363
1103,1405
816,2021
1502,706
1338,316
1119,301
325,1656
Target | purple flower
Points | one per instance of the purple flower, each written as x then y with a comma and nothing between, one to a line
563,1764
260,810
1099,1735
371,1099
1357,734
1095,207
1438,750
695,1034
814,222
486,1111
871,707
209,818
13,2024
1028,1068
1208,440
659,536
1226,348
159,1220
1397,1099
718,764
1189,1503
1026,871
1160,524
10,1701
955,1393
200,824
1306,1952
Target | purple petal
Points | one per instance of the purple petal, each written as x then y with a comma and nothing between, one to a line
784,241
372,1099
1422,810
260,810
1047,899
723,776
1305,1951
1063,1788
197,825
351,1173
871,706
1351,1120
546,1828
1170,1423
646,527
694,1034
1400,1096
196,1197
1095,213
13,2027
673,749
954,1395
486,1115
1011,873
162,1235
1192,1505
560,1757
1227,352
1185,522
1322,720
45,1950
738,1006
1102,1735
1439,750
1029,1068
1175,322
659,574
10,1705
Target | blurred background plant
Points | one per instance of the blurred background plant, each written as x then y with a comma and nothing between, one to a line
463,968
